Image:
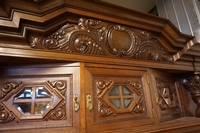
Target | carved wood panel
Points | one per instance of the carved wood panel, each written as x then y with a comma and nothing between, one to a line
165,96
16,92
95,37
118,99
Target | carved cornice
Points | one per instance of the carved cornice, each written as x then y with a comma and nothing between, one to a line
47,16
94,37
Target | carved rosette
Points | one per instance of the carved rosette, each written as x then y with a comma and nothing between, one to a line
192,83
58,113
167,95
60,85
7,87
94,37
5,116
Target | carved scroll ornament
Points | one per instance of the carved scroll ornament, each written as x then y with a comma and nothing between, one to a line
7,87
5,116
60,85
93,37
59,113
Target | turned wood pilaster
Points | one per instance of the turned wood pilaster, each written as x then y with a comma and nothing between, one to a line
192,83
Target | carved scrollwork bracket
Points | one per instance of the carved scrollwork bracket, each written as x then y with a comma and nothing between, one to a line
60,85
94,37
8,87
104,111
5,116
58,113
192,83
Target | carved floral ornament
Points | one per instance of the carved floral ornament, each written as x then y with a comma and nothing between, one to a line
94,37
10,91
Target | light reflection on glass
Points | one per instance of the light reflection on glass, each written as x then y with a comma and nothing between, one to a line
41,92
24,108
41,107
26,94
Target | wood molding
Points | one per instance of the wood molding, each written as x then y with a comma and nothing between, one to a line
53,15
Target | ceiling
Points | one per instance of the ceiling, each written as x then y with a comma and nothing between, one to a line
140,5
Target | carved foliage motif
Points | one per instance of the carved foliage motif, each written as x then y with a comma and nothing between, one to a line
94,37
167,95
7,87
5,116
104,89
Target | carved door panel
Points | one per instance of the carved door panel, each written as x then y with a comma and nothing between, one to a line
165,96
116,98
39,98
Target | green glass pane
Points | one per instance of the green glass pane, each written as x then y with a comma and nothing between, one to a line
24,108
114,91
41,107
115,102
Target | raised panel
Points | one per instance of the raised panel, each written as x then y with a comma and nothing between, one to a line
165,96
39,97
120,99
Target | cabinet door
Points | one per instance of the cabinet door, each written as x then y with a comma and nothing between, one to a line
116,98
39,98
165,96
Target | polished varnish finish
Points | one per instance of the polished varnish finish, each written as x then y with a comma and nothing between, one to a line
128,76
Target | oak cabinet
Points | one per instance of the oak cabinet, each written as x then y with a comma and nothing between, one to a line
120,98
86,97
129,97
40,98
